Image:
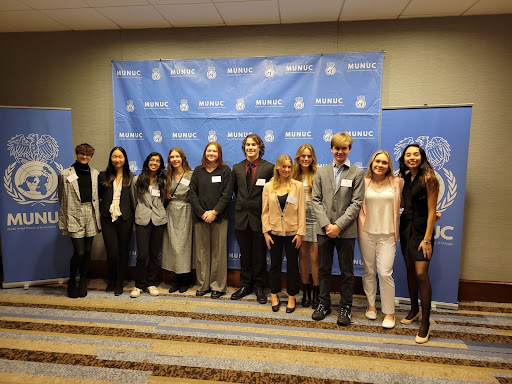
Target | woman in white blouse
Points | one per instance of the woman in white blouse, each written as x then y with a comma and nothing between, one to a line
378,233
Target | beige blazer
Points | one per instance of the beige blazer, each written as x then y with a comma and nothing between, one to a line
69,199
292,219
397,184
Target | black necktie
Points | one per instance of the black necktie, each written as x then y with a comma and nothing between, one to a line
248,176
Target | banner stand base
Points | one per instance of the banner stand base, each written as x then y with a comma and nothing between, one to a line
27,284
435,304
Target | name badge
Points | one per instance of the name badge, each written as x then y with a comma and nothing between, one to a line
185,182
72,177
260,182
155,192
291,199
216,179
346,183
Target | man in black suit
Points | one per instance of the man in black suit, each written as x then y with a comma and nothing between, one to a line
251,174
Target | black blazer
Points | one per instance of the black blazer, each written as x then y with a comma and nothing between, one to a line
107,193
248,200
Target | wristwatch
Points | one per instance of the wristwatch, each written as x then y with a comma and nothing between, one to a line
426,242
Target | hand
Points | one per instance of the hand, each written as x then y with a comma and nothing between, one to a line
427,250
297,240
332,230
268,239
438,215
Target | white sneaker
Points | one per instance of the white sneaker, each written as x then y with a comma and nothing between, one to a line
135,292
153,291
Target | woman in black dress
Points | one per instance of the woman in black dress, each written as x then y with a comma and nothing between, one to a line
417,221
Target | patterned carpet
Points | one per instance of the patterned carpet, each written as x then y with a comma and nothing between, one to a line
46,337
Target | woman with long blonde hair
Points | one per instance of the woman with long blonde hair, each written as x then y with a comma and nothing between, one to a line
304,170
284,223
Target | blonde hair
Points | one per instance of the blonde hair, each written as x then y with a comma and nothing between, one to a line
389,172
340,139
297,169
274,181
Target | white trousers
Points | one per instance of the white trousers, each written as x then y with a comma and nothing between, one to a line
378,255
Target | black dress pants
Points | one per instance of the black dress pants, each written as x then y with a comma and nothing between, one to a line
149,248
116,236
253,261
292,259
345,249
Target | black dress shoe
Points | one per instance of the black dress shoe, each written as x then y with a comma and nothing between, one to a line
183,288
276,307
345,315
110,286
260,295
173,288
242,292
118,288
291,310
320,312
217,294
202,293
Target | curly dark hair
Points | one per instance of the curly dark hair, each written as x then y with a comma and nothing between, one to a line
425,170
142,183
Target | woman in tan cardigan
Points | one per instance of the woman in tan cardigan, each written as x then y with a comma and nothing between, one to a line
284,223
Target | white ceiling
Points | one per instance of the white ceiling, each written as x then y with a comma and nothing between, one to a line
76,15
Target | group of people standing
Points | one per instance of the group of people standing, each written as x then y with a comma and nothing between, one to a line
294,205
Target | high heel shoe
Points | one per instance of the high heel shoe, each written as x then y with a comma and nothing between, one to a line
291,309
422,340
410,321
276,307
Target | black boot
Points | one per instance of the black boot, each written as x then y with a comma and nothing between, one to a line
182,280
316,292
82,287
306,295
72,290
174,286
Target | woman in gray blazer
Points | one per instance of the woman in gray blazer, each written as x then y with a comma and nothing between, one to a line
79,215
148,190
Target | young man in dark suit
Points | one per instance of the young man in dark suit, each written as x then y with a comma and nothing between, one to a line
250,176
338,193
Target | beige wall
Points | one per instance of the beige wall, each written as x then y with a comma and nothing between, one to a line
427,61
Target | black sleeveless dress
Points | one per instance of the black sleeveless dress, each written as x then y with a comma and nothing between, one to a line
413,221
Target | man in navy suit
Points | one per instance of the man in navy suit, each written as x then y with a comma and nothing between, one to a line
338,193
251,174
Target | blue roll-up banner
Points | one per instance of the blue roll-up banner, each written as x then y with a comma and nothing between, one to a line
444,134
36,144
287,100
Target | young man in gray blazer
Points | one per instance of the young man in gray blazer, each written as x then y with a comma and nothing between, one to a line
338,193
250,176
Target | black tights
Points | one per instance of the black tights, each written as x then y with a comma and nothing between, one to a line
417,279
81,257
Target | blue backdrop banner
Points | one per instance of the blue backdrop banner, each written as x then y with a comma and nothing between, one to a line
37,145
444,134
287,100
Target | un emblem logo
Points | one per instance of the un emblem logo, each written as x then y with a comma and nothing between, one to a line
133,166
360,102
330,69
129,106
438,153
240,104
183,105
211,74
299,103
156,74
269,136
212,136
270,71
35,170
157,136
327,135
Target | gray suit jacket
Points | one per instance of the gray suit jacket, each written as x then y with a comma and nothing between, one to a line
70,204
148,207
336,204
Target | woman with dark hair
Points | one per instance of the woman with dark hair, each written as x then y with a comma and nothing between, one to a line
283,219
377,232
116,209
148,190
177,245
79,215
417,221
304,170
211,187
